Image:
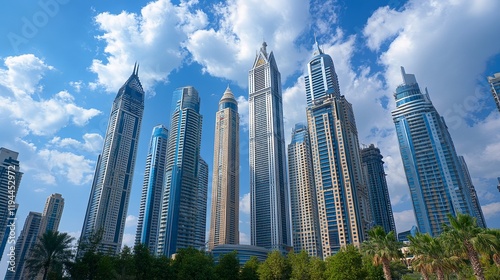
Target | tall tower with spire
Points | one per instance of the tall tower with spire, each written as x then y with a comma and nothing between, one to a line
224,218
435,175
110,193
342,197
269,198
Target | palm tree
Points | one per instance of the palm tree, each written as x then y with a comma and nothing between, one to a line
465,237
383,248
51,252
493,247
431,255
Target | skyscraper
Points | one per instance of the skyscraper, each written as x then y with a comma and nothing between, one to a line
180,194
305,221
495,88
224,218
378,193
201,215
35,226
152,186
342,197
24,243
433,171
110,193
10,178
476,206
270,218
52,213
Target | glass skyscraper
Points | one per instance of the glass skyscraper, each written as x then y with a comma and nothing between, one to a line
52,213
201,215
476,206
342,197
433,170
305,222
495,88
10,178
110,193
270,218
179,208
152,186
378,192
224,218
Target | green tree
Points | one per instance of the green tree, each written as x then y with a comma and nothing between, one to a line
51,254
143,262
431,255
162,268
373,272
275,267
300,265
318,268
464,237
124,265
345,265
383,248
249,270
228,267
192,264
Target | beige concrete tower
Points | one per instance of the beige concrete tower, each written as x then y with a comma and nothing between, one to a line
224,220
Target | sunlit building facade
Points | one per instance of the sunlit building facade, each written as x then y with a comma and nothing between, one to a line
304,209
110,193
269,198
342,197
224,218
495,88
433,171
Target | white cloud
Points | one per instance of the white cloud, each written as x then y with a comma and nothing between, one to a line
245,204
243,112
404,220
92,142
128,240
491,210
152,38
228,50
76,85
40,190
52,164
131,221
244,238
42,116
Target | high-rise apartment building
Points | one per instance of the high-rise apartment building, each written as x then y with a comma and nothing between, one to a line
342,197
433,171
110,193
495,88
35,226
476,206
52,213
201,215
378,192
305,222
149,212
10,178
224,217
179,202
270,218
24,243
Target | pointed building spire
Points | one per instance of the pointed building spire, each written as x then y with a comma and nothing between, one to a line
318,51
137,70
135,66
263,48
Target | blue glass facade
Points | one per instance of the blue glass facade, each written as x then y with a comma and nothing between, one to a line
148,221
110,193
179,210
433,171
342,197
495,88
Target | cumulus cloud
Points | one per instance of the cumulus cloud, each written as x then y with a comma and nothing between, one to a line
404,220
38,116
92,142
152,38
491,210
52,164
245,204
131,221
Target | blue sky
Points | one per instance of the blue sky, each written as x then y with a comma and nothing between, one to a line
62,62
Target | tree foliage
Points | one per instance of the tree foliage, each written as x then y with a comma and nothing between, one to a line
275,267
345,265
